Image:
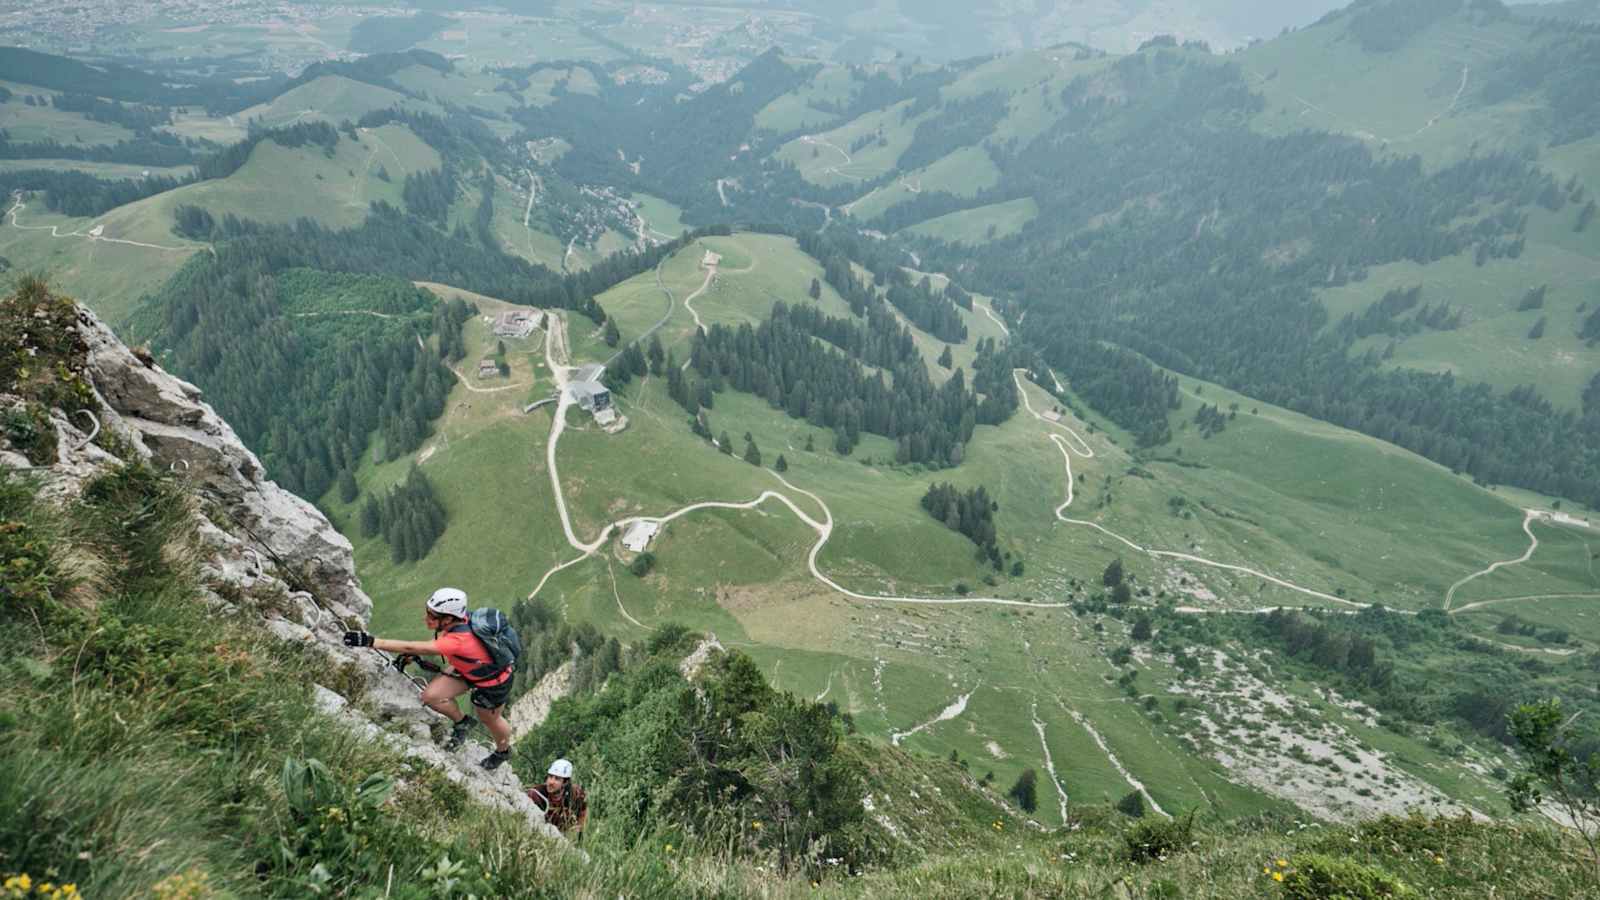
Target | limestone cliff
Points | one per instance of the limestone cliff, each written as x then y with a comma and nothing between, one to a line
266,553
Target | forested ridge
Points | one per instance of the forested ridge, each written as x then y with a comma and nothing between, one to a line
1232,298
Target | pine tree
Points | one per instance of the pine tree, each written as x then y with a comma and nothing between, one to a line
725,443
1113,573
371,518
816,289
1141,628
811,443
656,354
1026,790
613,336
947,359
752,453
782,465
1132,805
347,486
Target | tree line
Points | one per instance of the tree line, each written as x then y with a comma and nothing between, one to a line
970,513
780,360
409,517
1236,302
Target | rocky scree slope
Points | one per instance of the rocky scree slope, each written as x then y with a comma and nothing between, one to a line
267,553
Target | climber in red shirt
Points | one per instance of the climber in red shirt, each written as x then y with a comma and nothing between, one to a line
471,669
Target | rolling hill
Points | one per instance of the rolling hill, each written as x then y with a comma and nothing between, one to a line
1264,382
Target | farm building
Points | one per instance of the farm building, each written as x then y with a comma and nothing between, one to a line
517,323
487,369
591,396
639,534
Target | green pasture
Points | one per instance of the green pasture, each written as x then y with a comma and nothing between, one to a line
1288,495
963,173
330,98
796,109
1404,102
831,166
98,169
27,124
1492,344
980,224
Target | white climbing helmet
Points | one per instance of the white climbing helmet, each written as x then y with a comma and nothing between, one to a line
449,602
561,768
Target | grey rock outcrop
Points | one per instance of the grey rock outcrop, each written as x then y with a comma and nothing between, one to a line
266,552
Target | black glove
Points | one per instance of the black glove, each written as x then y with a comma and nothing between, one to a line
401,661
357,639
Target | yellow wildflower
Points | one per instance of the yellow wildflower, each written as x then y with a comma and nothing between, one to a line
1277,876
23,882
1265,870
1283,863
756,825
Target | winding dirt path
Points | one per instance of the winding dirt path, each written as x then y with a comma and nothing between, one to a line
555,336
989,311
94,234
1528,518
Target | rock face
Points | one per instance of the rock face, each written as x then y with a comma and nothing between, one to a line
533,707
267,552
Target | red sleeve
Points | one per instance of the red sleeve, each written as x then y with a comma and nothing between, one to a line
448,644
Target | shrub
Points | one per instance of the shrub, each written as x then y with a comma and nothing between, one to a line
28,575
1313,876
642,564
1155,839
28,430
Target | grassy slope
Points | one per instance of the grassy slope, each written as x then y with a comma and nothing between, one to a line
1275,494
331,98
1406,103
963,173
270,187
827,166
973,226
26,124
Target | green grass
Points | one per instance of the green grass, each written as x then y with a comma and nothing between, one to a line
27,124
271,187
828,166
1387,100
963,173
795,110
662,217
979,326
99,170
1275,491
331,98
981,224
486,462
1492,345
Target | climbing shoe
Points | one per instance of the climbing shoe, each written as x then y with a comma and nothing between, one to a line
458,734
493,760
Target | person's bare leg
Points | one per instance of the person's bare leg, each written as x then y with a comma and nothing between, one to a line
440,696
498,727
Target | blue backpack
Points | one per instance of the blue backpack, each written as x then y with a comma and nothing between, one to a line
491,626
